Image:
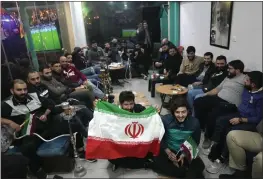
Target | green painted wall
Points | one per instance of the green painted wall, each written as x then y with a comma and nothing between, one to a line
164,25
174,22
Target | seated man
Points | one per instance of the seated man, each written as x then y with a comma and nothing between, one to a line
189,68
82,64
238,143
172,64
163,55
127,102
75,76
165,41
212,79
94,54
179,126
15,109
140,61
58,91
247,117
222,99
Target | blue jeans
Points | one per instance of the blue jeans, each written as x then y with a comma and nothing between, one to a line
192,95
91,70
97,92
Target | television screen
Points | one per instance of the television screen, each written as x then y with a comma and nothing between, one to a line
45,37
128,33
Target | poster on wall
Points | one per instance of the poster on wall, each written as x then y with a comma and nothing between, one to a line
220,25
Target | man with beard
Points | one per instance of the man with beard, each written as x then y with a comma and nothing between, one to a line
73,75
48,89
172,64
60,92
14,111
189,68
163,55
79,61
223,99
127,102
247,117
212,78
94,53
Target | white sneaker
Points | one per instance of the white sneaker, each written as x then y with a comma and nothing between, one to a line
216,167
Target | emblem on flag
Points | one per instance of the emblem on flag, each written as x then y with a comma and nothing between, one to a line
134,130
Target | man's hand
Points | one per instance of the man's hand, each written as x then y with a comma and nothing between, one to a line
181,159
157,108
142,50
15,126
179,73
43,118
136,53
95,103
234,121
197,83
160,50
85,83
164,71
171,155
80,87
158,64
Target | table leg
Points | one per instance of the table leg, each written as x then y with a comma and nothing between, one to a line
149,84
163,96
153,83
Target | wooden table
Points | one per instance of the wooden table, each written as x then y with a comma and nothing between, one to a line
117,67
139,99
170,90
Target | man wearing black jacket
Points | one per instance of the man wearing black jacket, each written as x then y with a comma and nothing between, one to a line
172,64
15,110
163,55
211,79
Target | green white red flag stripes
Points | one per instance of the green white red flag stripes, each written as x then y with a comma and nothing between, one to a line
116,133
190,148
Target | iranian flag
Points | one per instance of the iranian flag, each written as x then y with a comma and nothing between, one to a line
28,126
117,133
190,148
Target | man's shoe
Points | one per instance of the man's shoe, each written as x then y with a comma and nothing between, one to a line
207,143
41,174
92,160
82,156
216,167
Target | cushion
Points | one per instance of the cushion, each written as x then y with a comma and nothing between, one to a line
57,147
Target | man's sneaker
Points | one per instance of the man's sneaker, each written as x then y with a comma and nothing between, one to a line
82,156
207,143
216,167
41,174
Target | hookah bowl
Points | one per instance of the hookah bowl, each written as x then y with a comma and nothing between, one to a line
69,113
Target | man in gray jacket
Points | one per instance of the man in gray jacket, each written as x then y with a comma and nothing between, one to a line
95,53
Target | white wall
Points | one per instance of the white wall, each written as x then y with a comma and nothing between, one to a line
246,27
78,24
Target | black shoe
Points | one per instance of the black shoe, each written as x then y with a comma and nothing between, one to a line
82,156
41,174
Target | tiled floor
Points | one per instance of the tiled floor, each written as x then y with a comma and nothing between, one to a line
102,168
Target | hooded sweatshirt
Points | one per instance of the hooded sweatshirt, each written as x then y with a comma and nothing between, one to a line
251,106
74,75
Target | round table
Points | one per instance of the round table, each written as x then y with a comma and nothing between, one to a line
117,67
170,90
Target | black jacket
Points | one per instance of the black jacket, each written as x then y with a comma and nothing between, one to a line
78,61
172,64
63,80
208,73
215,79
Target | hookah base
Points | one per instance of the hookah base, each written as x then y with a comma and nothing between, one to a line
79,171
